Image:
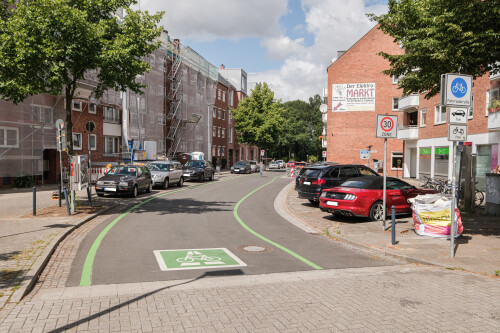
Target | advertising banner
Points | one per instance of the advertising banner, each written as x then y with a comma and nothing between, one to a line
353,97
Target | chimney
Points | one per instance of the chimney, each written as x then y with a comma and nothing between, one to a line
340,53
222,66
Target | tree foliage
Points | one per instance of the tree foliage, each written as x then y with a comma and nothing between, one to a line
259,118
441,36
46,46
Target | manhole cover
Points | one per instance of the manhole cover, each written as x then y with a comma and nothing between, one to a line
253,248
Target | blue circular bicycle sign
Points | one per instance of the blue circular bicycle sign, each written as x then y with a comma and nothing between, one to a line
459,87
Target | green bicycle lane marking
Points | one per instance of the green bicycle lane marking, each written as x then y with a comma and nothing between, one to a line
235,213
86,277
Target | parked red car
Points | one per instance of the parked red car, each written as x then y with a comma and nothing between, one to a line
290,164
363,196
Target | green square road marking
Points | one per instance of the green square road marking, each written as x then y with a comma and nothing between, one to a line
170,260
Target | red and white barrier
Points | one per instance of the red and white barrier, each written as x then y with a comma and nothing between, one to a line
96,173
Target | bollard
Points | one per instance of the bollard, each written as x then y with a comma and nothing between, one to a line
393,231
59,194
34,201
67,202
89,194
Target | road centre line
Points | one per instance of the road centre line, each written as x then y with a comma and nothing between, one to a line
235,213
86,277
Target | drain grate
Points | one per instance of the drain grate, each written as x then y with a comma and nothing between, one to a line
254,248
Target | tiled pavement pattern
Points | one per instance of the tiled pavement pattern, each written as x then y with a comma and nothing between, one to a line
381,299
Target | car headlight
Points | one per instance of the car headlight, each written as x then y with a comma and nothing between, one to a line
123,184
349,196
323,194
100,182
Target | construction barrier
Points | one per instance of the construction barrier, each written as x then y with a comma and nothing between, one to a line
96,173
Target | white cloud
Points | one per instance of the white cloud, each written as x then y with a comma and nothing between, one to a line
282,47
336,25
207,20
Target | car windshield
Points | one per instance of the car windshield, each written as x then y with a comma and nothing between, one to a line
123,170
239,164
158,166
194,164
252,163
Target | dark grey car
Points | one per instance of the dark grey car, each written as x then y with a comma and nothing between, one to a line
314,179
198,170
125,179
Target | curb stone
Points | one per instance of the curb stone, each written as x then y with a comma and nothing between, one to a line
31,277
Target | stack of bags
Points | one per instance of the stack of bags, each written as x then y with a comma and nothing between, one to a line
432,217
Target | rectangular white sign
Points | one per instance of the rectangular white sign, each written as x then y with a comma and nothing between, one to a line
458,115
457,132
324,153
387,126
353,97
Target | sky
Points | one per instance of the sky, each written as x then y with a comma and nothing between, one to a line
288,44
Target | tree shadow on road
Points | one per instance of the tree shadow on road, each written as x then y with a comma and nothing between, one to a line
184,206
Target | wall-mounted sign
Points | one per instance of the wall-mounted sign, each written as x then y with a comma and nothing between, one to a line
353,97
364,154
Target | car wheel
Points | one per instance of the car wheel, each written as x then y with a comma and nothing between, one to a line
134,192
180,182
211,177
165,184
202,178
377,211
312,201
100,194
149,189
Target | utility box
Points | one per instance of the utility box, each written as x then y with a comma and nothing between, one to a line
79,172
139,155
493,194
151,150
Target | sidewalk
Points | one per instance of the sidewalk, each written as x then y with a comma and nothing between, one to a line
476,250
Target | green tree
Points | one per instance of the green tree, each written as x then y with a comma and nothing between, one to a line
302,128
441,36
259,118
46,46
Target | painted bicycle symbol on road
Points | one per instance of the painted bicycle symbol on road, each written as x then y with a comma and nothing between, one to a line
196,258
458,87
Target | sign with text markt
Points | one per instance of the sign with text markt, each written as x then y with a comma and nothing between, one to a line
387,126
456,90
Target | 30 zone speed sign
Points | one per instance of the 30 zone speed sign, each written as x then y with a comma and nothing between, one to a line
387,126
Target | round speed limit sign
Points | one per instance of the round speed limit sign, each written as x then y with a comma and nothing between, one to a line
387,126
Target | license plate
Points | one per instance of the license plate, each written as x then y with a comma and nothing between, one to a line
110,189
307,183
332,203
186,175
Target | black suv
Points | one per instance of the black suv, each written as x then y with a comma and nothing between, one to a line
313,180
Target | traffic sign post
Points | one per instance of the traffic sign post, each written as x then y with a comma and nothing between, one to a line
456,93
61,145
387,127
90,126
324,154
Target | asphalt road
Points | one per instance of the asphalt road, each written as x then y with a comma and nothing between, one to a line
250,239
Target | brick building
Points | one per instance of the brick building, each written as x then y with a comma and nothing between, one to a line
422,147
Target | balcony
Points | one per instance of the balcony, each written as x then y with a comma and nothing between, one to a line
409,103
495,77
408,133
494,121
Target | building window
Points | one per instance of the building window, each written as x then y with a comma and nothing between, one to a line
77,141
218,132
9,137
223,133
215,112
214,150
214,131
491,95
439,115
471,108
230,98
230,135
111,145
41,114
93,108
230,118
423,117
218,113
395,79
395,102
76,106
219,94
396,161
111,115
223,96
162,119
93,142
223,151
223,114
152,60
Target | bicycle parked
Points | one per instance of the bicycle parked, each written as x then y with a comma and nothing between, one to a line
445,187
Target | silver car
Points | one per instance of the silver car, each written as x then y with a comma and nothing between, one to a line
166,173
254,166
